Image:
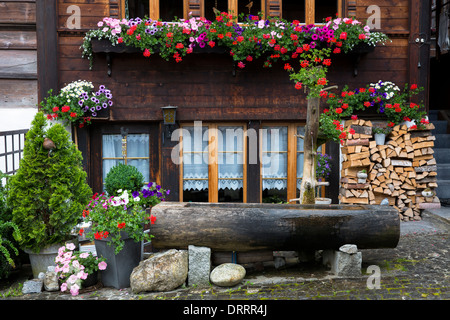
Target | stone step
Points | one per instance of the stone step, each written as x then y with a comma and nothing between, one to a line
442,141
442,155
443,189
440,126
433,115
443,171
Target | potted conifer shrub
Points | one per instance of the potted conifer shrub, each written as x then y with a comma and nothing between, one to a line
48,192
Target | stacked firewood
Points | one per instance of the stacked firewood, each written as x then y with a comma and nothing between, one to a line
397,172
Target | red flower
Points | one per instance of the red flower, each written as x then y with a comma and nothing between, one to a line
322,81
81,232
323,94
55,109
306,47
304,63
240,39
337,50
367,104
343,135
362,36
120,40
391,124
354,117
406,119
179,45
138,37
73,114
325,110
283,50
344,105
220,36
65,108
152,219
327,62
85,213
49,117
147,53
339,110
121,225
343,36
169,34
294,37
211,44
351,131
298,85
241,65
287,66
414,86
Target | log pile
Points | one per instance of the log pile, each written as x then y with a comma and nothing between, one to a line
398,171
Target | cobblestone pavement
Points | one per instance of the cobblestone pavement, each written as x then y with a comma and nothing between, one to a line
417,269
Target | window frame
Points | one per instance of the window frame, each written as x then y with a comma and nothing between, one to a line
233,7
96,149
213,159
292,152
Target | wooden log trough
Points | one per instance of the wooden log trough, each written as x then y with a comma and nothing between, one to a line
279,227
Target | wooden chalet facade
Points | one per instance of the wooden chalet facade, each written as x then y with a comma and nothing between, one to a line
207,87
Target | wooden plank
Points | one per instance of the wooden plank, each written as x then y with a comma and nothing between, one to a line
18,39
17,12
18,64
18,93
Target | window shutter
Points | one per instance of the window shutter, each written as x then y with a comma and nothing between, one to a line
195,7
273,8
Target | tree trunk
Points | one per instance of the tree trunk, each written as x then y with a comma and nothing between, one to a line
309,181
277,227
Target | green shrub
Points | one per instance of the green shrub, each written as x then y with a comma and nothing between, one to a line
125,177
49,191
9,233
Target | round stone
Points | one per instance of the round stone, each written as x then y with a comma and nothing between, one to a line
227,274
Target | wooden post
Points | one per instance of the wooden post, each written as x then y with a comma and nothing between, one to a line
309,182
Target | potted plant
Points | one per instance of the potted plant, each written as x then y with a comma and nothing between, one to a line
47,193
77,103
117,228
77,270
427,193
362,176
380,134
123,177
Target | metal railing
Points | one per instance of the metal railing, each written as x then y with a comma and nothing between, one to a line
11,150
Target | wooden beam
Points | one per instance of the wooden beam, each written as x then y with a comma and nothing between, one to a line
47,45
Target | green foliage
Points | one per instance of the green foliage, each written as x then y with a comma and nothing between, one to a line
123,177
49,191
9,234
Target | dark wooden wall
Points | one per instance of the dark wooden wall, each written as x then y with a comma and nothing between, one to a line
203,87
18,55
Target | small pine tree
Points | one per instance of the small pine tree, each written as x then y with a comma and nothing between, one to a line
49,191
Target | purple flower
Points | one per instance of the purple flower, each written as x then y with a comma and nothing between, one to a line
98,107
105,105
135,194
314,37
102,87
80,103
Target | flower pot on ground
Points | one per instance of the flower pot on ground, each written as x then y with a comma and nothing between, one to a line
120,265
117,227
77,270
49,190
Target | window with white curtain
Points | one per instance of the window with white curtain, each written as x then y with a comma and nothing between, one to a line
195,164
274,163
230,163
132,150
213,163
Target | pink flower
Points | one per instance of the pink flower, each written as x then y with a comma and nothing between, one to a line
241,65
63,287
84,255
102,265
82,275
74,290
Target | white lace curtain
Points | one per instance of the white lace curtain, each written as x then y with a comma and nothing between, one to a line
196,157
137,146
274,157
